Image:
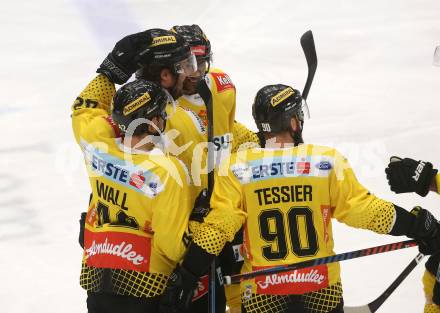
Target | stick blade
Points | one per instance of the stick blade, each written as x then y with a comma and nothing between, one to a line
357,309
436,60
308,45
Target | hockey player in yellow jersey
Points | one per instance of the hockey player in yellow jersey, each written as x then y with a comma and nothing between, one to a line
227,134
285,195
137,224
168,59
140,200
221,86
408,175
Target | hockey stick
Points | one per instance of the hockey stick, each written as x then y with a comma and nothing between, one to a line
436,60
205,93
374,305
236,279
308,45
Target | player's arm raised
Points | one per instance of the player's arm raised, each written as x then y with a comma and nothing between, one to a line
117,67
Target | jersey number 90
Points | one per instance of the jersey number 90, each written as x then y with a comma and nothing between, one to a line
272,230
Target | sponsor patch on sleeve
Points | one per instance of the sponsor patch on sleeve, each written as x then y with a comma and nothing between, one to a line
222,81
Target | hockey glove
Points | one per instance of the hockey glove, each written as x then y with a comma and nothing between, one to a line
122,62
201,207
179,292
426,231
408,175
82,225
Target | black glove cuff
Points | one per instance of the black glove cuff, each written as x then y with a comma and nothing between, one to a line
433,263
431,172
113,71
404,222
197,260
82,225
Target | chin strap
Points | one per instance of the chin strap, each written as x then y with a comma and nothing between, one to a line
297,135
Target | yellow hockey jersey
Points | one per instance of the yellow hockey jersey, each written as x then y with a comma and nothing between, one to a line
286,199
138,217
437,180
223,105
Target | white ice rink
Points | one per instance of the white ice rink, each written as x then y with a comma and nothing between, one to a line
375,94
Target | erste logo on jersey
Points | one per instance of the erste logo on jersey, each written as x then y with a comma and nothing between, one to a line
121,172
293,282
222,81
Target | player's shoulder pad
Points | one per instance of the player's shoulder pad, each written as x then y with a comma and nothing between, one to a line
220,80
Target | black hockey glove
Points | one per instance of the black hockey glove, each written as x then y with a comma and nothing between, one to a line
82,225
177,297
426,231
408,175
123,61
432,266
201,207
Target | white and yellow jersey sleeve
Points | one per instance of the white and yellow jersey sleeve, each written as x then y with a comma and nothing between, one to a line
95,100
286,198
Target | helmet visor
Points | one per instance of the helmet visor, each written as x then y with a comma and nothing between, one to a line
203,65
305,109
187,66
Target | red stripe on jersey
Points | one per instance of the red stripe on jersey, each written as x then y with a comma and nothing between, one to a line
114,126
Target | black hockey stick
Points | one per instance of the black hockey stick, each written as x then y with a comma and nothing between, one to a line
236,279
204,92
308,45
374,305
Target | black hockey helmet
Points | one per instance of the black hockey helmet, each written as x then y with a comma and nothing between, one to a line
167,49
274,106
196,38
138,99
200,46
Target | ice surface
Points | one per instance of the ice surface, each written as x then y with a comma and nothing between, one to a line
375,94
